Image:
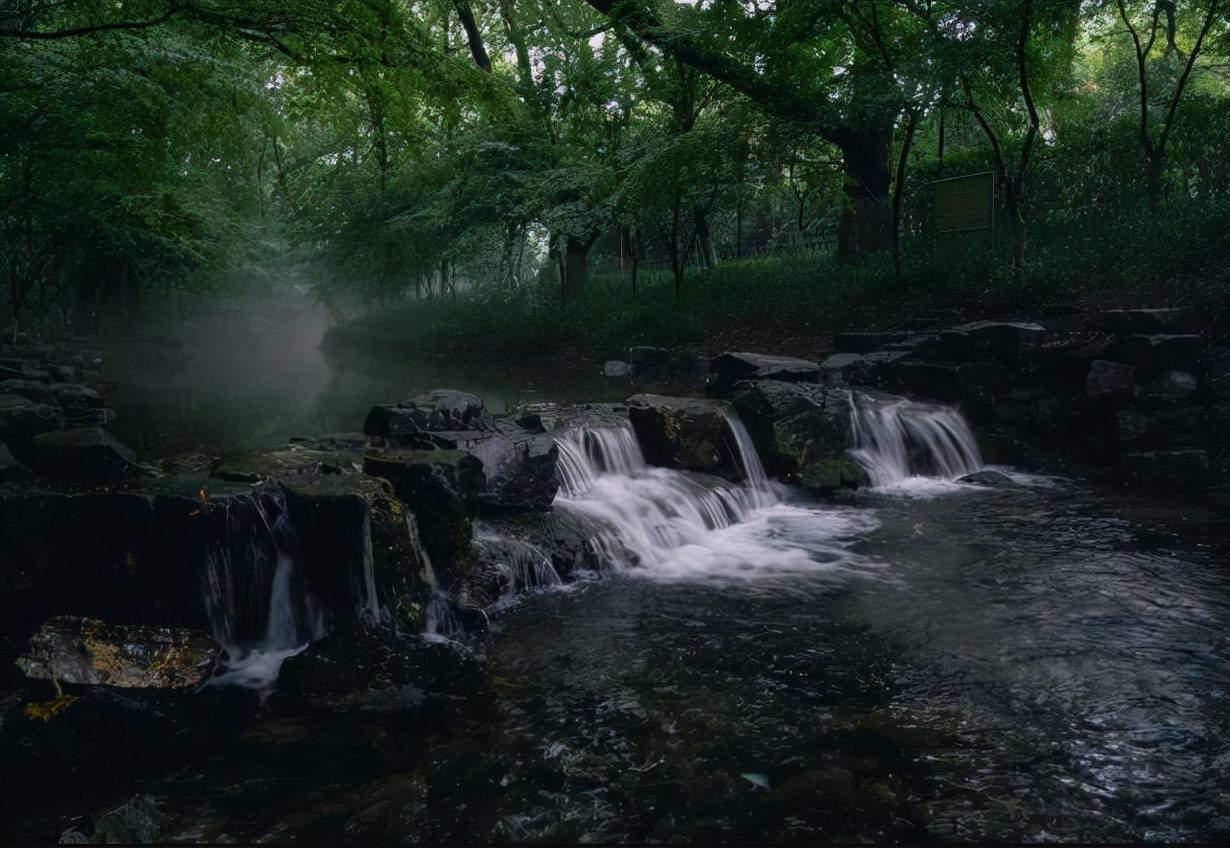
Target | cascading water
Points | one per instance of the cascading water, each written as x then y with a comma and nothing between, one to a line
259,608
525,567
671,525
897,439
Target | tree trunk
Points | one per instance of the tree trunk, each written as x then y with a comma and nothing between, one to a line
866,224
576,265
1016,228
707,250
899,188
1155,167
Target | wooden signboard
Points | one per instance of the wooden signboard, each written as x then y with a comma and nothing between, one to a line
965,204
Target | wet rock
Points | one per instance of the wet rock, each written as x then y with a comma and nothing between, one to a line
297,459
865,342
1110,380
10,469
1137,321
1168,390
378,671
1063,361
441,409
843,369
1181,469
990,478
520,469
729,368
21,419
84,453
69,396
87,651
1162,429
981,340
566,538
936,380
645,358
1155,354
685,433
616,369
441,488
801,432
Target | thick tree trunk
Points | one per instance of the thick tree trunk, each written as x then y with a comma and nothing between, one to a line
1016,228
866,225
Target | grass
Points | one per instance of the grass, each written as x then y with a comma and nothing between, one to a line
788,302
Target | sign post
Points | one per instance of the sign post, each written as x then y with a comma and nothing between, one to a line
965,204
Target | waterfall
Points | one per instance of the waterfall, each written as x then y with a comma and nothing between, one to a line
668,522
258,605
525,567
896,439
441,620
371,600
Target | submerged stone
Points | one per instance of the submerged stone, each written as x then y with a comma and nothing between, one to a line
87,651
989,477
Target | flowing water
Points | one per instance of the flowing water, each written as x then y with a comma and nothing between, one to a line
923,659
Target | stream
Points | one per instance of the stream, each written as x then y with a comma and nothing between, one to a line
1046,661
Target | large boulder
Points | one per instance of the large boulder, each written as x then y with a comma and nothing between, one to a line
440,409
71,397
729,368
1168,390
441,488
359,549
686,433
1110,381
71,649
845,369
981,340
1155,354
83,453
801,432
519,465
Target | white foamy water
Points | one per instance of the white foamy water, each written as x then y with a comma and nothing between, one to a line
664,524
910,447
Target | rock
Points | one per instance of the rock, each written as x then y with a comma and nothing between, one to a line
865,342
989,477
21,419
842,369
981,340
84,453
1140,430
520,468
1110,380
616,369
565,537
645,358
1063,361
69,396
686,433
86,651
378,671
442,489
1168,390
1218,371
729,368
801,432
935,380
1134,321
1155,354
358,548
441,409
1182,469
297,459
10,469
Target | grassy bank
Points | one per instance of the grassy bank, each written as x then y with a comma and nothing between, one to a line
790,302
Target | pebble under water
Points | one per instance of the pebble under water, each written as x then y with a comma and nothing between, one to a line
927,660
